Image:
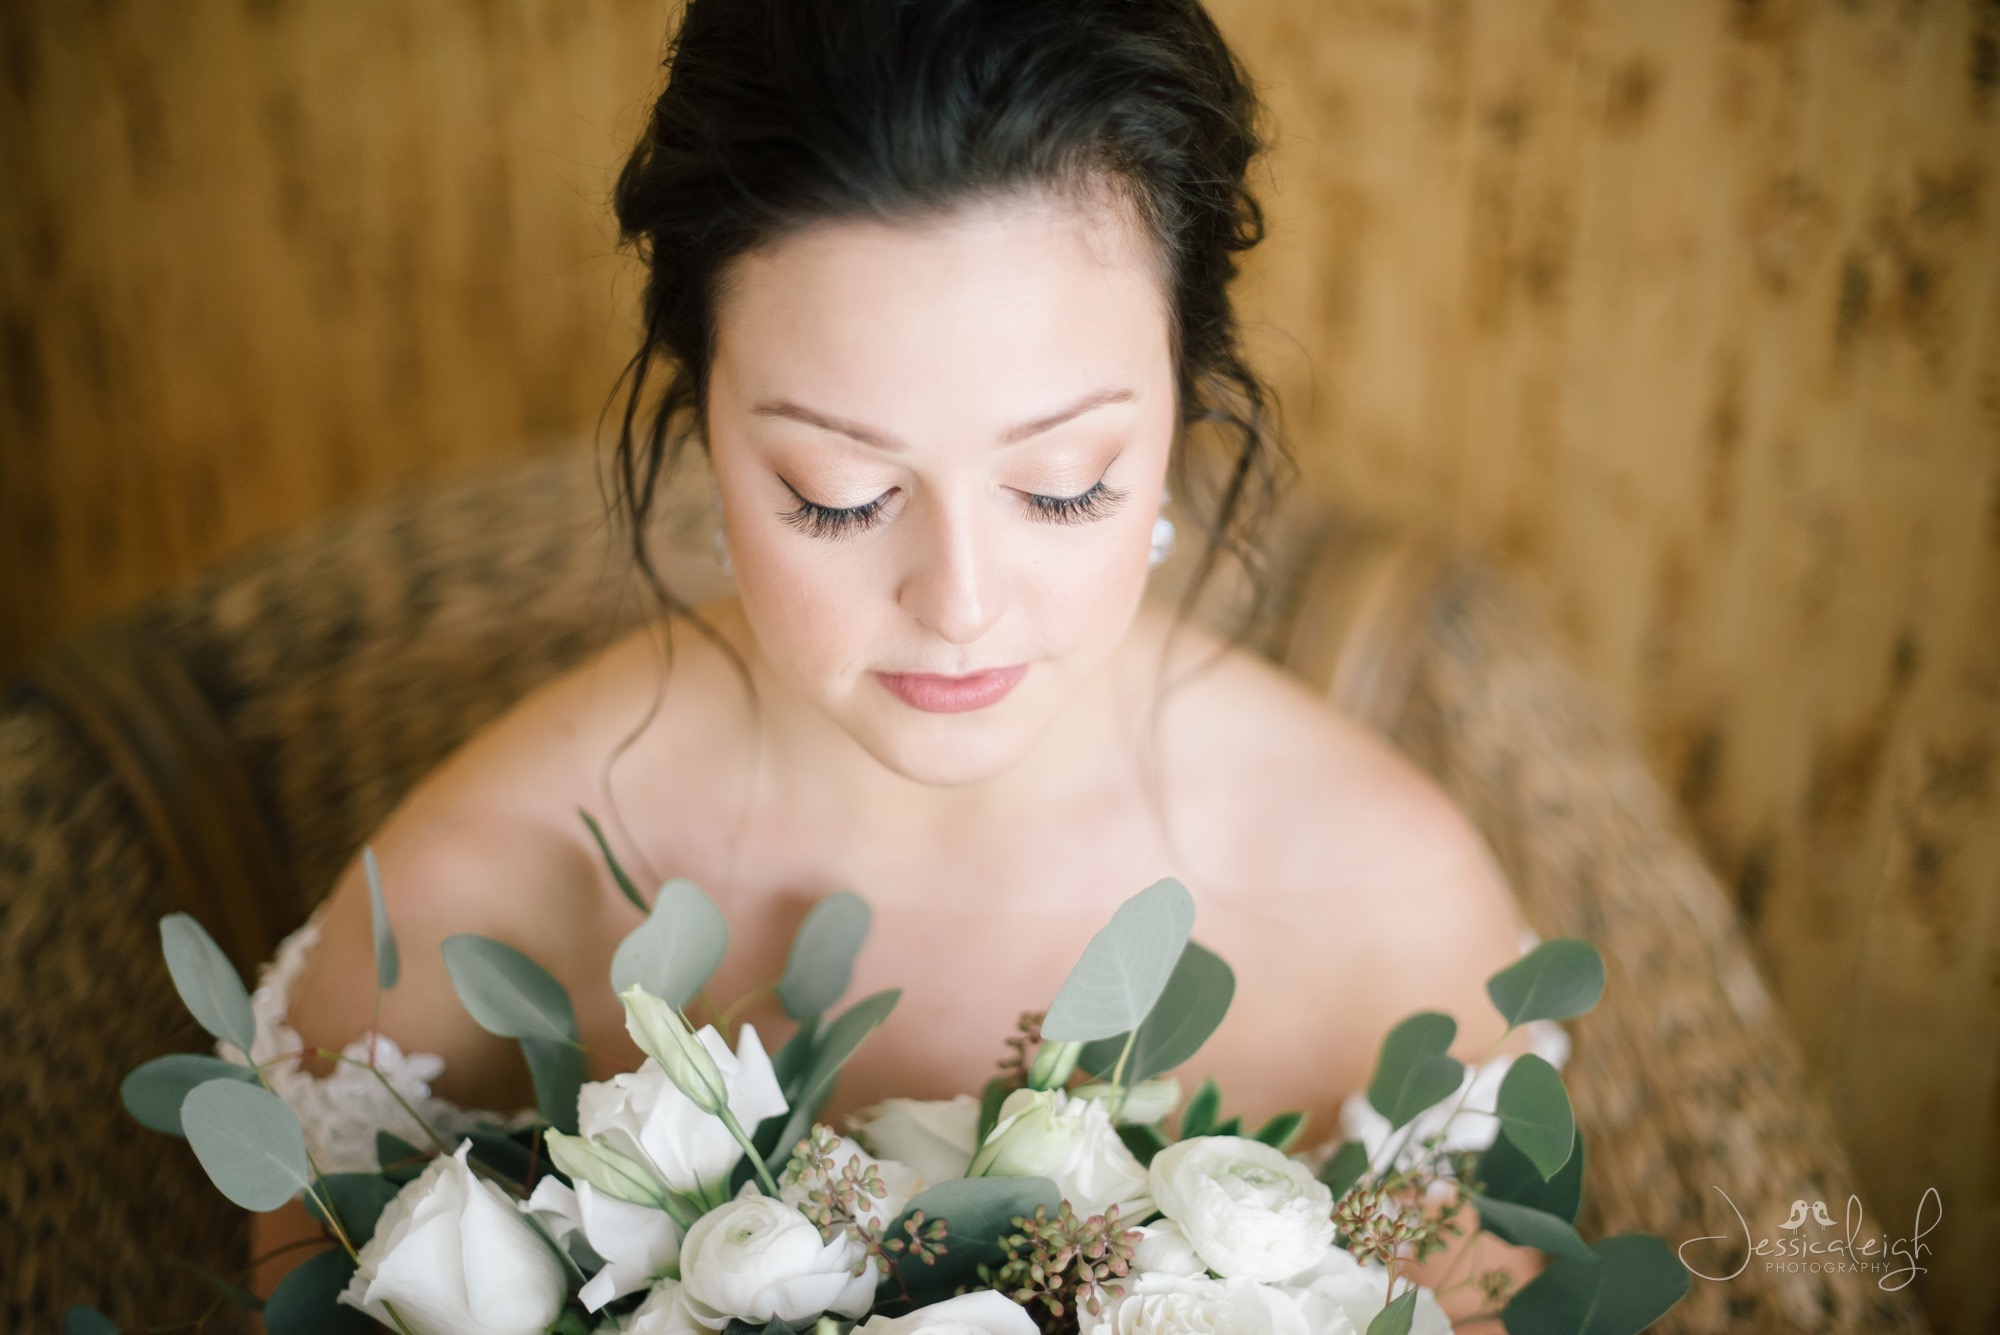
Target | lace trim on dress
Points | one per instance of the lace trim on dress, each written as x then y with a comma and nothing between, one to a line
342,1110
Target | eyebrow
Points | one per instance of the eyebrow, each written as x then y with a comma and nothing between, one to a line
883,441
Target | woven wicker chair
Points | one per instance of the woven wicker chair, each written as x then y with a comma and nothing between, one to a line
225,748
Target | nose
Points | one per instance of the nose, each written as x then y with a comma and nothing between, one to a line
954,583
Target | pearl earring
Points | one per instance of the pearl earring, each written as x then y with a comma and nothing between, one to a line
1163,533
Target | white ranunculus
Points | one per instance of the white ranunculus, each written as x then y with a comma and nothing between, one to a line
665,1312
644,1115
1340,1289
1474,1126
935,1137
1163,1247
1047,1133
761,1260
1248,1211
981,1312
454,1256
1161,1304
900,1181
637,1243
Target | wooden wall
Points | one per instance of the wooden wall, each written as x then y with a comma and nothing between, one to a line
1687,309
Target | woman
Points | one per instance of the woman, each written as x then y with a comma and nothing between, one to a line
939,290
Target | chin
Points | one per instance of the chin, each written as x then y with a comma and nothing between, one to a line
947,750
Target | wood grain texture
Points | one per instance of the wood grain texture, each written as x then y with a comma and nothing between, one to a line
1689,310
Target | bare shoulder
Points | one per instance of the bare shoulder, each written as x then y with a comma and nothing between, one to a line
1300,815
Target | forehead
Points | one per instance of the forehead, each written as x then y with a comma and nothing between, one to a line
978,313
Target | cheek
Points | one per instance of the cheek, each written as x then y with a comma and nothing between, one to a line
808,602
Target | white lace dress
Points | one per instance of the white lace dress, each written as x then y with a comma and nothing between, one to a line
342,1110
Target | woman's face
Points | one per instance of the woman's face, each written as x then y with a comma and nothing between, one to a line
940,447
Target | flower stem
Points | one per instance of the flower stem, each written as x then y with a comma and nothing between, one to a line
756,1160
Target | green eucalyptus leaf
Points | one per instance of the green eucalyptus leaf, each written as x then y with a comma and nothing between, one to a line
1396,1315
822,957
1344,1167
306,1301
1124,969
507,993
1506,1174
1413,1073
841,1038
1525,1226
153,1092
618,874
496,1147
1535,1113
83,1319
978,1213
1281,1130
248,1141
1232,1127
990,1098
357,1198
207,981
793,1062
1198,1117
1196,998
1144,1139
400,1160
388,966
1558,979
676,950
1631,1281
558,1071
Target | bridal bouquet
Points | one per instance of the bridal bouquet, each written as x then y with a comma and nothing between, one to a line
1077,1192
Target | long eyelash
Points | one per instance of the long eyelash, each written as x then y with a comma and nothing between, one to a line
1096,503
825,521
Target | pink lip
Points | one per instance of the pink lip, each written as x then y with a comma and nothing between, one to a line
952,695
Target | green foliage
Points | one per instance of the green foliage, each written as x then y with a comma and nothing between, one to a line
401,1161
822,956
1505,1173
248,1141
1558,979
388,965
1344,1167
1124,969
306,1300
357,1199
1197,996
674,952
978,1213
153,1092
1629,1282
830,1053
624,881
1413,1073
207,981
1198,1117
1281,1131
1535,1114
990,1098
1396,1315
558,1071
1144,1140
507,993
83,1319
1525,1226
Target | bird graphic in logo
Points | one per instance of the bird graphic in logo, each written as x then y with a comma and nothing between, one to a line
1800,1214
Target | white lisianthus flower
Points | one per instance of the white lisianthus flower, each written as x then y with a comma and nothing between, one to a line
1163,1247
1047,1133
455,1257
761,1260
1478,1092
1144,1104
935,1137
637,1243
1340,1289
1247,1210
981,1312
1162,1304
665,1312
900,1181
643,1115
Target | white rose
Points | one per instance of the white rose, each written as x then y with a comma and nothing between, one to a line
761,1260
981,1312
935,1137
665,1312
644,1116
1162,1246
1046,1133
455,1257
1160,1304
637,1243
1340,1294
900,1182
1248,1211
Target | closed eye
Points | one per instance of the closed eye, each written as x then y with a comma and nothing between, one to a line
827,521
